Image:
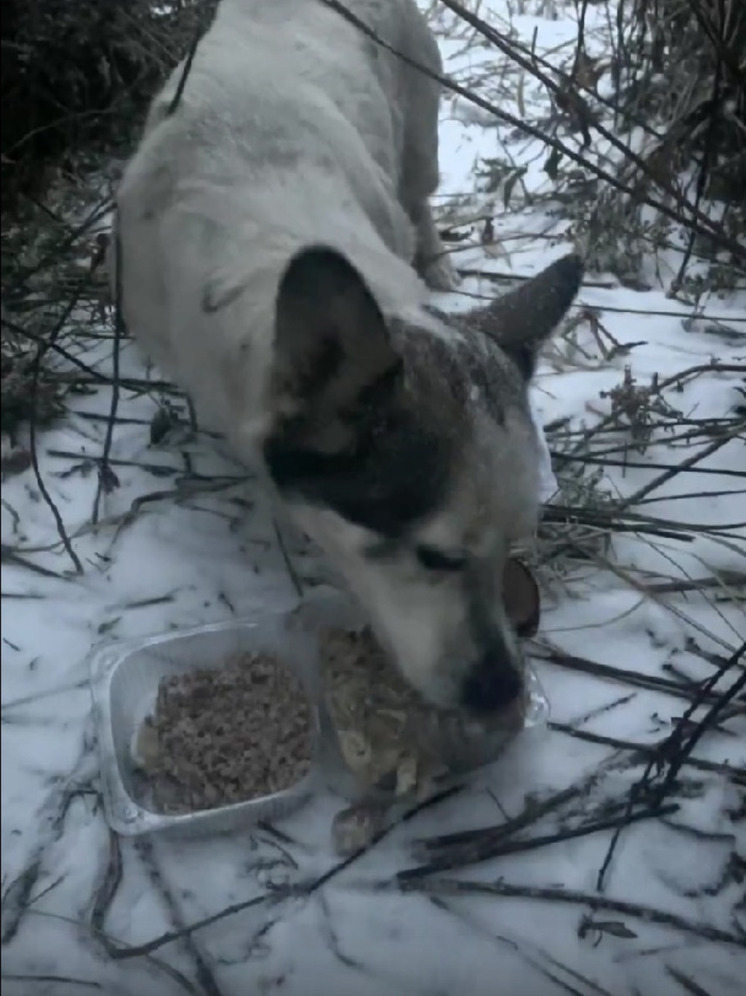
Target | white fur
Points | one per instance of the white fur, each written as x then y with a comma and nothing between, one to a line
264,155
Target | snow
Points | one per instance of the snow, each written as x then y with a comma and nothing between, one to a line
206,549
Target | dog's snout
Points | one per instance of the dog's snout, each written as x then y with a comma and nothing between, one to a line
491,685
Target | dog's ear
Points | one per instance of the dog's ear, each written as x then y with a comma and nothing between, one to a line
332,344
522,320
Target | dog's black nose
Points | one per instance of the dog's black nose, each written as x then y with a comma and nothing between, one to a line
491,686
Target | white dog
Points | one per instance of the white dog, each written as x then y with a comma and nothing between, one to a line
274,226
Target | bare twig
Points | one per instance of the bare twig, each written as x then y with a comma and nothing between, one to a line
681,467
492,844
636,678
61,531
676,749
106,477
697,222
172,107
457,887
643,751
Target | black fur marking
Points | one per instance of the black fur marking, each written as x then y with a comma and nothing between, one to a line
373,395
466,365
524,358
393,474
396,474
433,559
322,366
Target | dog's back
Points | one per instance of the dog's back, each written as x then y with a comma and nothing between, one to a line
293,128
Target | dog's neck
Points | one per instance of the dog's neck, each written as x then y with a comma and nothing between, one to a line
247,235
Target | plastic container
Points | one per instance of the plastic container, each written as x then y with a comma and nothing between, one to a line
124,684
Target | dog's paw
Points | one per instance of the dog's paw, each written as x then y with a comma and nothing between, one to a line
438,273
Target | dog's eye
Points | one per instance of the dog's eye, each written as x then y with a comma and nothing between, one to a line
433,559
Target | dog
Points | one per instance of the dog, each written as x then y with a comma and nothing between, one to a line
275,246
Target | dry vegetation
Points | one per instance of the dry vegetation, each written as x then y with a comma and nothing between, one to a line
679,79
666,106
76,78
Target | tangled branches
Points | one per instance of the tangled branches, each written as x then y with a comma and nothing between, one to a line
77,75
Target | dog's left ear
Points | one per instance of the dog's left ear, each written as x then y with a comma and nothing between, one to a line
332,343
522,320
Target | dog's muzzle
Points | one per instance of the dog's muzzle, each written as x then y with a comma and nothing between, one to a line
491,685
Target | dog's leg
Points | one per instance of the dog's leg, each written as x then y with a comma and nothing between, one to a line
431,261
420,152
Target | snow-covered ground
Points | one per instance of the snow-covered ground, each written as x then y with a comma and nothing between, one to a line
186,538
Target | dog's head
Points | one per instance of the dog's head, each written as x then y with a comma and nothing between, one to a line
408,454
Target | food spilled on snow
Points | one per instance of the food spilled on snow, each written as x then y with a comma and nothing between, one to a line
225,735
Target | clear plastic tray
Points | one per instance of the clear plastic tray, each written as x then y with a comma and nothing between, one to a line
124,684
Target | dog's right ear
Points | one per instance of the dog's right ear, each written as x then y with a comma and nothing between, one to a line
332,343
524,318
